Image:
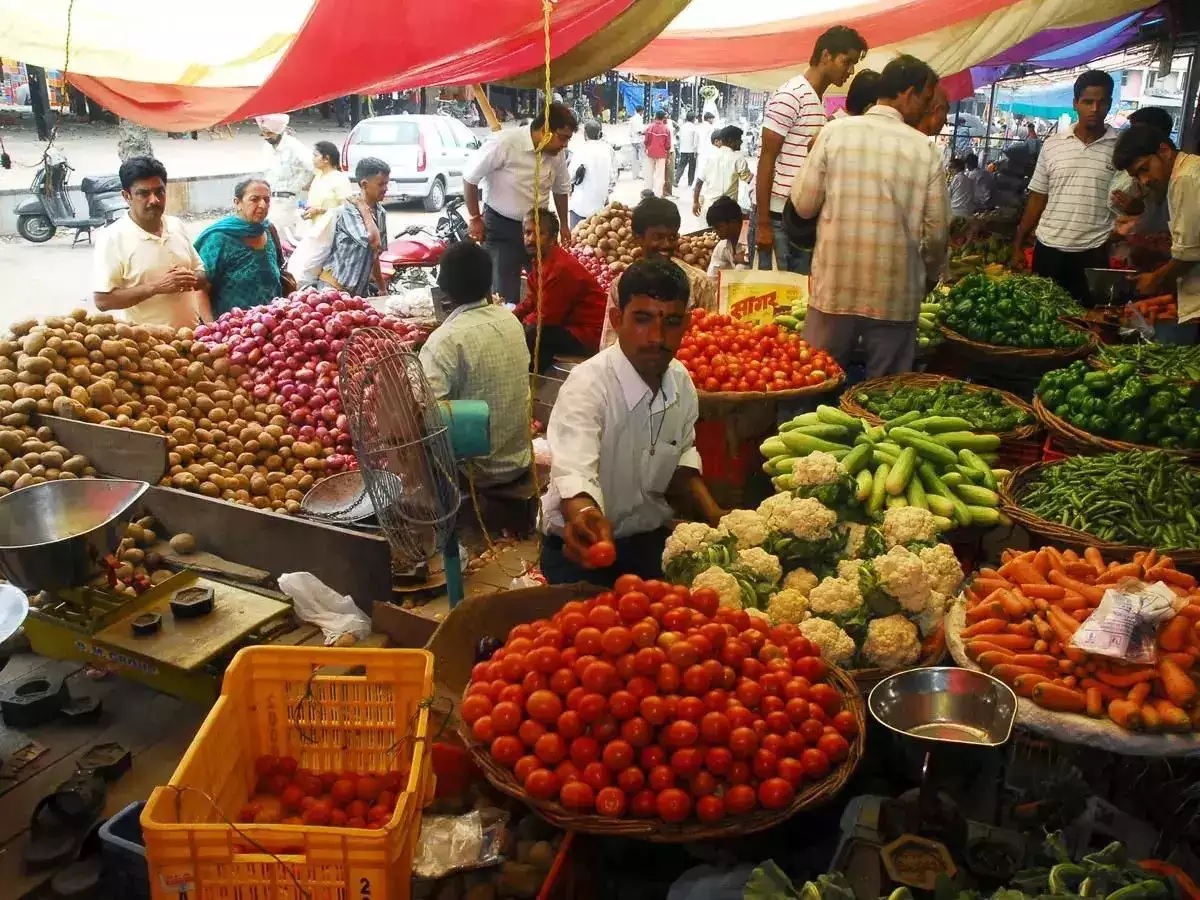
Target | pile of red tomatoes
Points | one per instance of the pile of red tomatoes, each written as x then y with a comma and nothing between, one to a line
290,795
724,354
652,701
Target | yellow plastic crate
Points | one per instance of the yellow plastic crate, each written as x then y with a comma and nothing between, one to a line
274,700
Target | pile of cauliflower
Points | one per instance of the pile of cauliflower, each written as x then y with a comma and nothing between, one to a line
818,476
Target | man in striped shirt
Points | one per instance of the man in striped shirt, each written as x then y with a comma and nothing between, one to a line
879,189
791,121
1069,193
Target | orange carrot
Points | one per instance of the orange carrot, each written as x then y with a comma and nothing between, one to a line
1139,692
986,626
1125,714
974,648
1073,601
1056,559
1095,702
1184,660
1073,584
1044,591
1070,681
1026,628
1178,685
1045,632
987,586
1009,641
1035,661
986,572
1106,691
1040,646
1023,572
1081,570
1190,610
1080,615
1148,561
1151,720
1008,673
1064,626
1175,634
985,611
1125,679
1024,684
1171,576
1041,562
1093,558
1116,573
1012,604
993,658
1070,556
1059,699
1173,718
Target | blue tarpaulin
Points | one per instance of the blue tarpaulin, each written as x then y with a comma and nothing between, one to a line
1043,101
633,96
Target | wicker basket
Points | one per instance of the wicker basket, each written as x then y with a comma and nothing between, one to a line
829,386
929,380
933,651
1054,533
658,831
1084,442
1043,357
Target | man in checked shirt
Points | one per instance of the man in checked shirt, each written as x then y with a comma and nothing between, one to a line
878,186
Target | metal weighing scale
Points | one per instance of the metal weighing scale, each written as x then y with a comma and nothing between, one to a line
53,537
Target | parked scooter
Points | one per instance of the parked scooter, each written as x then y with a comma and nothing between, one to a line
411,260
50,208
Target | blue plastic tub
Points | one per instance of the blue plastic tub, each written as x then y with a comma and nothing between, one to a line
125,854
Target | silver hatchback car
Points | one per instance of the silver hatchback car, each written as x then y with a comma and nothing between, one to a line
427,155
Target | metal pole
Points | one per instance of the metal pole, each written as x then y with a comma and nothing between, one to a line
954,133
987,137
1189,127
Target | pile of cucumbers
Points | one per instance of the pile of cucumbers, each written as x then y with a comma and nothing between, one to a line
928,333
935,462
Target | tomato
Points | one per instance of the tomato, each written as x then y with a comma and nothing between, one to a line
812,729
779,722
705,600
542,784
690,709
791,770
716,700
591,707
525,765
828,698
653,710
797,710
702,784
651,756
673,805
642,805
617,755
605,728
771,703
530,731
696,679
677,619
596,775
577,796
572,623
550,637
734,652
834,746
602,617
669,679
797,687
639,686
473,707
610,802
631,780
563,681
550,748
636,731
680,734
660,778
626,583
645,634
569,725
511,693
816,763
543,706
648,660
687,761
811,667
482,730
506,750
743,742
599,678
600,555
715,727
710,808
775,793
740,799
506,717
533,681
749,693
633,607
567,771
584,750
739,716
845,723
718,760
764,764
589,640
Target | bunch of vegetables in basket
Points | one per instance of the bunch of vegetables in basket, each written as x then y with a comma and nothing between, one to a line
928,333
1119,403
724,354
1140,498
1021,623
1180,362
652,701
985,409
1020,311
607,237
865,595
932,462
1162,308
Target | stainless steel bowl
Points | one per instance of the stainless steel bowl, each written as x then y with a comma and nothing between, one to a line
957,706
53,535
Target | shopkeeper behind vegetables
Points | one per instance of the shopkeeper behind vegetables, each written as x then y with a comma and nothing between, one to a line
1149,156
622,438
145,264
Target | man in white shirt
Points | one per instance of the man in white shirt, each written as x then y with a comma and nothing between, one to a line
637,129
622,439
962,191
144,264
1068,202
1140,211
593,171
725,171
791,121
287,168
981,182
689,147
504,169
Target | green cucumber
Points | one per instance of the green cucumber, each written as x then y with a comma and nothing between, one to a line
957,440
800,444
902,471
882,456
808,418
925,445
835,433
864,481
973,461
900,421
942,523
934,485
876,433
889,447
878,489
783,482
930,308
789,322
772,447
781,465
938,505
892,502
974,495
970,476
787,426
953,478
938,424
857,459
831,415
915,494
984,515
863,438
840,453
1001,474
991,459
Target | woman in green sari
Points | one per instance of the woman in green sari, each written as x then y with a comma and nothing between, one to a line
241,253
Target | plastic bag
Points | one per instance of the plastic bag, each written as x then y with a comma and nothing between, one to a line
457,843
308,259
319,604
1123,625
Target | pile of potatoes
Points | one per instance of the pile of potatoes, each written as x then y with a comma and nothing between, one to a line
31,456
610,235
220,441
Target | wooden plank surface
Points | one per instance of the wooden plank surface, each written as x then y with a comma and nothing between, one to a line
119,452
210,564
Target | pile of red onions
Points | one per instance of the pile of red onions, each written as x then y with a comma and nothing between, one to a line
290,353
596,264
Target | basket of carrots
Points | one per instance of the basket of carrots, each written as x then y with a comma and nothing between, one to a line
1162,308
1017,622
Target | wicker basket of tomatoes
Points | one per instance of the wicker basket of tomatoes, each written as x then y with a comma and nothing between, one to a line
650,712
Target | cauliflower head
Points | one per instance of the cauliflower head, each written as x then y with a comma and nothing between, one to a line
729,591
816,468
787,606
904,525
802,530
691,547
754,613
863,541
942,568
891,642
837,647
848,569
800,580
759,564
835,598
747,528
900,575
931,616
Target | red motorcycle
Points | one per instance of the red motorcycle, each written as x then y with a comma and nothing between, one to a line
411,260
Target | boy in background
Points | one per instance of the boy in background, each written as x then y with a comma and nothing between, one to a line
725,170
726,218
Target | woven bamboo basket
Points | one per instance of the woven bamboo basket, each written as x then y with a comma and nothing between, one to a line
1044,358
933,651
929,380
1054,533
658,831
1084,442
737,398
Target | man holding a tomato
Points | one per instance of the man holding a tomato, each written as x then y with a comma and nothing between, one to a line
622,440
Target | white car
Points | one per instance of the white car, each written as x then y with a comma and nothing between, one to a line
427,155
